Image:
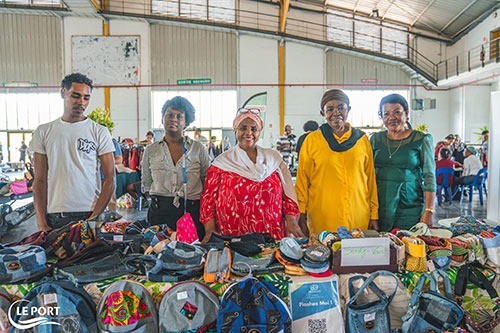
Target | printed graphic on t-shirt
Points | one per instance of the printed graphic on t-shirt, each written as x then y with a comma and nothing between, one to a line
86,145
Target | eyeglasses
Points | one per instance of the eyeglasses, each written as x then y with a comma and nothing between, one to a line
252,110
340,108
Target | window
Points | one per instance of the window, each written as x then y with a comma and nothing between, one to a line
213,10
214,109
25,111
364,107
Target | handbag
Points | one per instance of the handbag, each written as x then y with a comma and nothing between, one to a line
416,256
18,187
372,316
185,228
431,311
482,312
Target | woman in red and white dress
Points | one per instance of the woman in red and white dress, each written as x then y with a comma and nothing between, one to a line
248,188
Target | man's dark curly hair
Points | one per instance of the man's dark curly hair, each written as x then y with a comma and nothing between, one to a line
180,103
76,78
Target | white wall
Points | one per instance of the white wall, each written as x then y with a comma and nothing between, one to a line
258,64
493,213
304,64
129,106
438,120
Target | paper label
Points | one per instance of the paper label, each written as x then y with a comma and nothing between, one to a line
369,317
365,252
50,298
118,238
182,295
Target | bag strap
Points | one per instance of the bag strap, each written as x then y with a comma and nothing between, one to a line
418,289
184,173
473,273
446,282
370,282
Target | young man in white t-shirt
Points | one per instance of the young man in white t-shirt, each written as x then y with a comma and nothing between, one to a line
67,154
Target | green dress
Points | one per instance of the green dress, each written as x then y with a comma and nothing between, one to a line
404,172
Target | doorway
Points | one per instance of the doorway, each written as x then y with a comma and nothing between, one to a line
14,142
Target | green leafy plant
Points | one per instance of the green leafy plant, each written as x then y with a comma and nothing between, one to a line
422,128
481,130
101,116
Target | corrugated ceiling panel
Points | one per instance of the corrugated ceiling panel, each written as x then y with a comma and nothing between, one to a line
30,49
192,53
348,69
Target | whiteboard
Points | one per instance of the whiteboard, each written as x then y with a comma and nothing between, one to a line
107,60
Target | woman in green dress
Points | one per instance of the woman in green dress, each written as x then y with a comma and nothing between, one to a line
404,168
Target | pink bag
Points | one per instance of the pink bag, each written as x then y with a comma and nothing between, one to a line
186,230
19,187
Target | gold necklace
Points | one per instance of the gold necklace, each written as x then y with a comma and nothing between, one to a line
389,148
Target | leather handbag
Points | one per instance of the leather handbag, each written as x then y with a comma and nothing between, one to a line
431,311
372,316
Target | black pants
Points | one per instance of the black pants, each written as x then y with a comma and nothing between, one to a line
57,220
163,211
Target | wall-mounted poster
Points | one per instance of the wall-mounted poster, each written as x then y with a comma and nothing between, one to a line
107,60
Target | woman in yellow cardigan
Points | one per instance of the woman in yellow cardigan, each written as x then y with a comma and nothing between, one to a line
336,183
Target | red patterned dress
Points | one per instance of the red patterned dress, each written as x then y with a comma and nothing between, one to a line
240,205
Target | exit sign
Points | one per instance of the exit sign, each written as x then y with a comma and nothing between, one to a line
194,81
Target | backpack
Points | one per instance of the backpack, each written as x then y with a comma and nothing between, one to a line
5,209
253,304
127,306
5,302
22,264
189,306
75,308
29,175
68,239
217,266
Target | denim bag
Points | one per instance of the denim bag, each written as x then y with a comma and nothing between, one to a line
431,311
22,263
373,316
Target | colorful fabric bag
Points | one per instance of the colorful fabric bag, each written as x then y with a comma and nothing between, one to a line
18,187
218,266
186,230
253,305
188,306
468,224
5,302
127,306
416,255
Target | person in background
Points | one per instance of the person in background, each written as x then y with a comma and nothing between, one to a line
213,149
309,126
286,144
444,161
200,138
1,152
67,152
405,168
226,144
249,188
458,149
336,158
149,138
450,140
22,152
164,163
484,148
472,165
437,148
